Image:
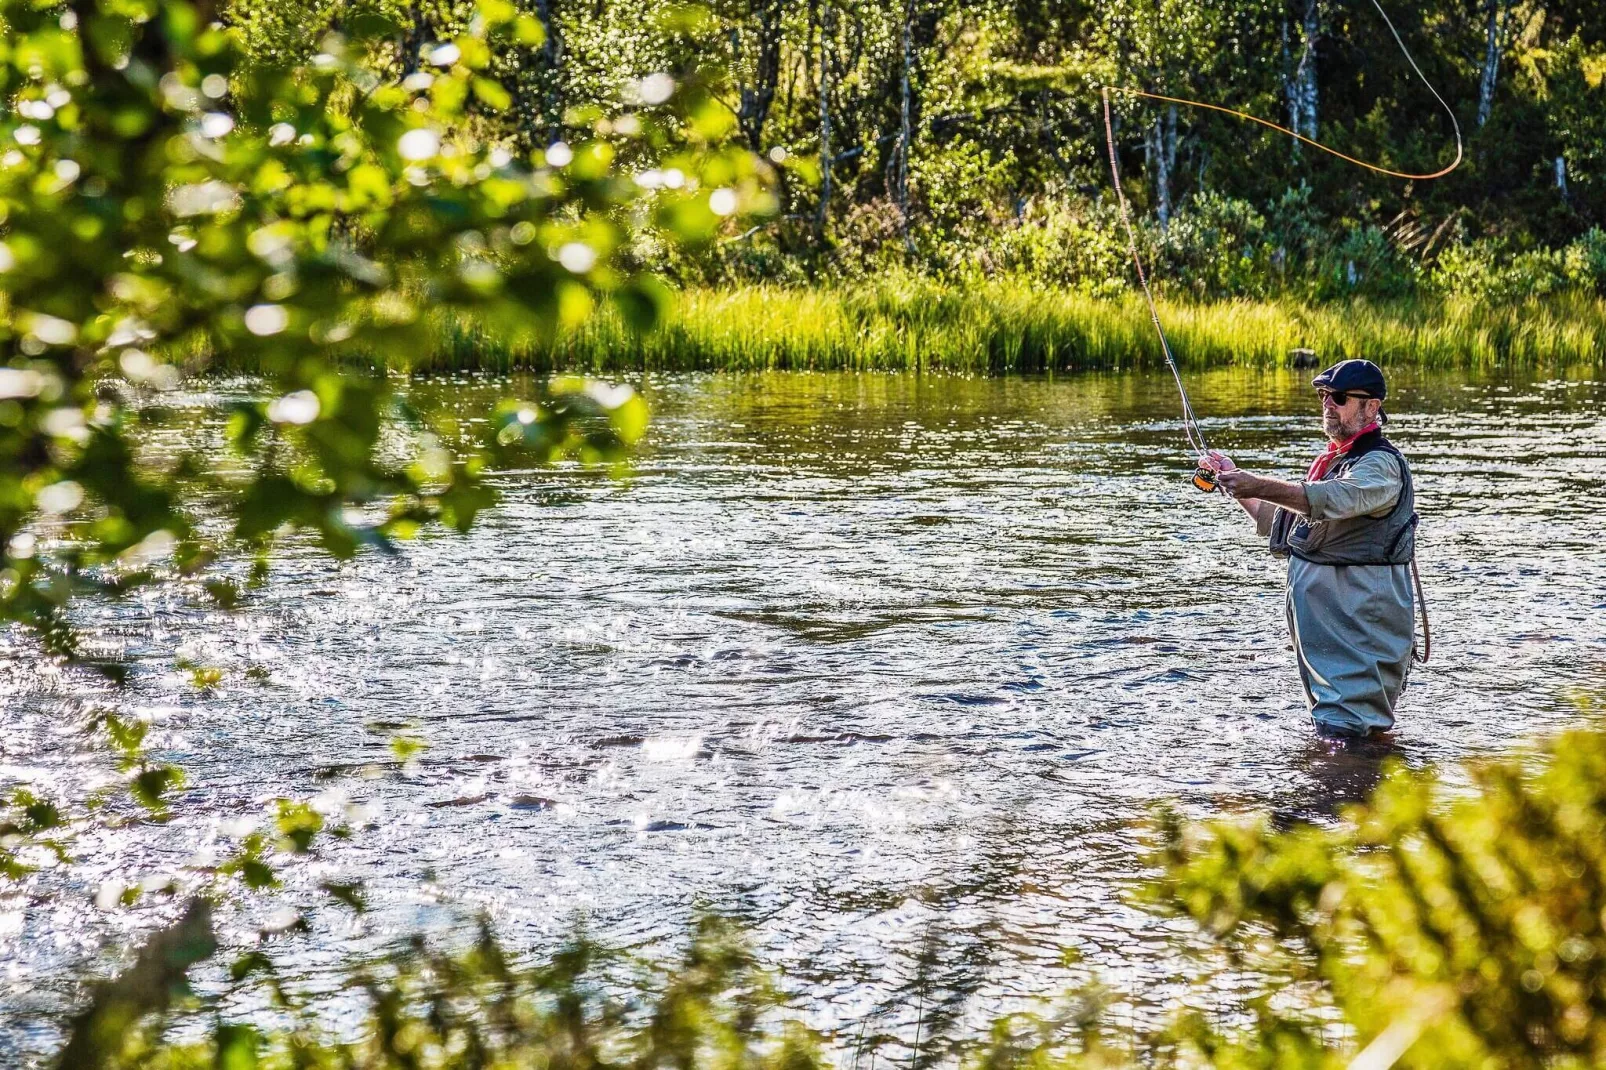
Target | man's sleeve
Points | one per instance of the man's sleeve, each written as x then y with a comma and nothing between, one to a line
1370,488
1264,512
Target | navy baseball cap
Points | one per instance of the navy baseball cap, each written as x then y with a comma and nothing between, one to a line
1361,376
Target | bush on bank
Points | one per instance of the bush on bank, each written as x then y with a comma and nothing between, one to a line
1429,927
1215,248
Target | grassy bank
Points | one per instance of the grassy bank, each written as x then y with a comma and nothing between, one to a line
1004,327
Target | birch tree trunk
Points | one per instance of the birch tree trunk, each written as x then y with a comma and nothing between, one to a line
756,98
900,177
1306,75
1299,80
825,123
1493,45
413,37
1162,152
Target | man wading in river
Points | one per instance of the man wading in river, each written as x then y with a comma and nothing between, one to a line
1348,530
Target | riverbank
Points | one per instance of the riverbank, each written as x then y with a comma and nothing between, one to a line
1003,328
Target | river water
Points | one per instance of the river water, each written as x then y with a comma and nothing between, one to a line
875,663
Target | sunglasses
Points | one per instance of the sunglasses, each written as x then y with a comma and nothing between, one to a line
1339,398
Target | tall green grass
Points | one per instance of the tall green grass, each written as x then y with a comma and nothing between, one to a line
1005,327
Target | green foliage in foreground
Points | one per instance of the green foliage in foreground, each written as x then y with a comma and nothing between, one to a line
474,1009
1473,925
905,324
1430,928
167,196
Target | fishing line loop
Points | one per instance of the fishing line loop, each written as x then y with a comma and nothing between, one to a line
1204,478
1312,142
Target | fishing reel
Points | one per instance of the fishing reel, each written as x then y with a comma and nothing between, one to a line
1205,479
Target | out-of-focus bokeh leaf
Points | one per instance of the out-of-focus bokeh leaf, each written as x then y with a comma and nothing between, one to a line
181,198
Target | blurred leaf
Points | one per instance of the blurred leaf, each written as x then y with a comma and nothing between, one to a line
249,963
298,824
371,24
492,95
150,786
224,593
39,815
463,500
205,677
258,874
350,893
237,1047
407,747
248,864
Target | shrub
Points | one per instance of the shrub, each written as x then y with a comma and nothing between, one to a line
1365,262
1447,929
947,183
1074,248
1487,270
474,1010
1584,262
1216,247
1298,237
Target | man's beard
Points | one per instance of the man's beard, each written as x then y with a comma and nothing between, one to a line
1338,429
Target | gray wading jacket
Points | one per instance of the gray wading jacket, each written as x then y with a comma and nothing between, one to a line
1361,540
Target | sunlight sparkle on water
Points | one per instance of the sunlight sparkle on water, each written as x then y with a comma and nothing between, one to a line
875,664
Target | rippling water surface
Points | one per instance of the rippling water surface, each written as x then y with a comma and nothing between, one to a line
874,663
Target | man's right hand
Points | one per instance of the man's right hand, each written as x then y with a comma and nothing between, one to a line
1217,461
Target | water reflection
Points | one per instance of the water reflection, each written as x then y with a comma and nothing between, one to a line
894,668
1342,772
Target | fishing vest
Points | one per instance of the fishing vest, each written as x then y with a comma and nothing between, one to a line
1361,540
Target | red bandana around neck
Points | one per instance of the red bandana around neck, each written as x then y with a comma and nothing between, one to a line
1335,450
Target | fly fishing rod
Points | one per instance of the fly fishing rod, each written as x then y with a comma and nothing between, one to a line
1204,477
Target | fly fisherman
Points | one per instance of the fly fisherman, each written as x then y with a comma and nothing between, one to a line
1348,531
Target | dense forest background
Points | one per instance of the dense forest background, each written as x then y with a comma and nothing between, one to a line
964,139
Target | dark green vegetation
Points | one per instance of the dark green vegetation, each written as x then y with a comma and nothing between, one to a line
1426,929
963,140
909,324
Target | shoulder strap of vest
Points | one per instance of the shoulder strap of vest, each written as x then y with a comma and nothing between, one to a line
1372,440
